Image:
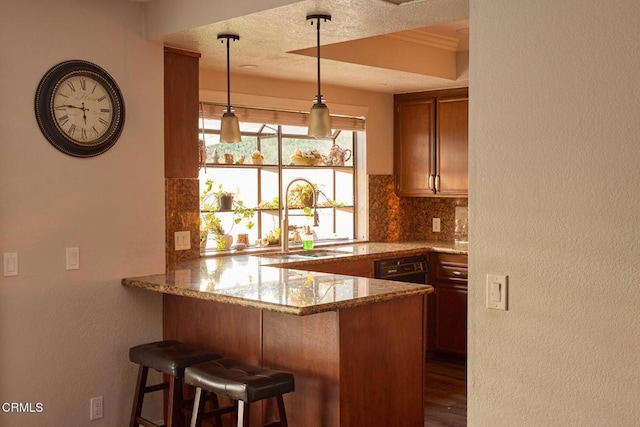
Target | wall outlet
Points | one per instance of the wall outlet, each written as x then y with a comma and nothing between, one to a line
96,408
436,225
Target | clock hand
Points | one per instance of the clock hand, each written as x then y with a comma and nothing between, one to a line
84,113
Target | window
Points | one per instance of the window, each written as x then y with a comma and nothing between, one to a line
274,151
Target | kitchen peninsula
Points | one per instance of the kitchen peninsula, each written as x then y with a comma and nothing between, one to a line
355,344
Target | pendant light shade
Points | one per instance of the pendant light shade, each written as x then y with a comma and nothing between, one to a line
229,125
319,119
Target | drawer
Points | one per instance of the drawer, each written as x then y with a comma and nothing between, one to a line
449,267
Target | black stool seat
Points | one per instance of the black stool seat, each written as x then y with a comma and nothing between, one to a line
171,358
241,382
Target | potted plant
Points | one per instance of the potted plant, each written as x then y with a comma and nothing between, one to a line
216,200
301,195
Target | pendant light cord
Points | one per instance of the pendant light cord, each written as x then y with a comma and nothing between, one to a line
318,56
228,79
228,37
318,18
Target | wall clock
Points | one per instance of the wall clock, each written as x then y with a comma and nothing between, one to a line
79,108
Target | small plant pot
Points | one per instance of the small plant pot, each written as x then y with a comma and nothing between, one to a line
307,201
224,242
225,202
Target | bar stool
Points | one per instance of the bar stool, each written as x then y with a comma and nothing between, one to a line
241,382
170,358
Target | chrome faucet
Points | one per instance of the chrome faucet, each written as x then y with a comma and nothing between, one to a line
284,230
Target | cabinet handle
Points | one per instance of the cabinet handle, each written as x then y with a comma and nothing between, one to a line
456,273
437,183
430,183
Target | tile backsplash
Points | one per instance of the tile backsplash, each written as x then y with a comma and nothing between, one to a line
397,219
182,210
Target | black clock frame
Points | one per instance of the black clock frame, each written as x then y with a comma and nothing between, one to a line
45,113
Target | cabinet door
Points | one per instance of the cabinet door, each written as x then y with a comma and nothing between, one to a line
452,146
448,304
413,147
451,315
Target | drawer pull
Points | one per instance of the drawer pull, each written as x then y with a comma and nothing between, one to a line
456,273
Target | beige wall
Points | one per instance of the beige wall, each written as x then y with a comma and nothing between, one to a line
254,91
554,204
64,335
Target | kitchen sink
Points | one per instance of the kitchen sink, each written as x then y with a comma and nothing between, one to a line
317,253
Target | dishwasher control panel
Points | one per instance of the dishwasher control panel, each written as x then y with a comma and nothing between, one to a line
396,268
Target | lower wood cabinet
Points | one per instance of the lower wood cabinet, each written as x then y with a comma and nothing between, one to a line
447,306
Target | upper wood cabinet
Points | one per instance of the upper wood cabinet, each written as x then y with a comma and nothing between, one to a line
181,113
431,143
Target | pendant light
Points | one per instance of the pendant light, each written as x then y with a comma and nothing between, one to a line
319,119
229,126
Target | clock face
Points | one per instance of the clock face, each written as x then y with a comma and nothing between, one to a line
79,108
83,108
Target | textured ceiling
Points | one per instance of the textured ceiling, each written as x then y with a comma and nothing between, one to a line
368,44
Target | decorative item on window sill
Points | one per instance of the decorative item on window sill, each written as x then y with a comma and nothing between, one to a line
319,119
229,125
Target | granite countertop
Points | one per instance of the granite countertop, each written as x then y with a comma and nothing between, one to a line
270,281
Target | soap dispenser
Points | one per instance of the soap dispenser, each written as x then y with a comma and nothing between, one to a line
307,238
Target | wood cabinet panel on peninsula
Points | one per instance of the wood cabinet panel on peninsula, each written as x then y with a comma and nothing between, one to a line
359,268
447,309
355,366
431,143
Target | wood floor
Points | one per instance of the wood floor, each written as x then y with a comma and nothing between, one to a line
445,398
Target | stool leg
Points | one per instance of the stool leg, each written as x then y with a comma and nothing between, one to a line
216,405
281,411
174,416
198,407
138,398
243,414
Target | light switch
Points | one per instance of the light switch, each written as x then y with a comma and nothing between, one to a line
497,291
182,240
436,225
73,258
10,262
